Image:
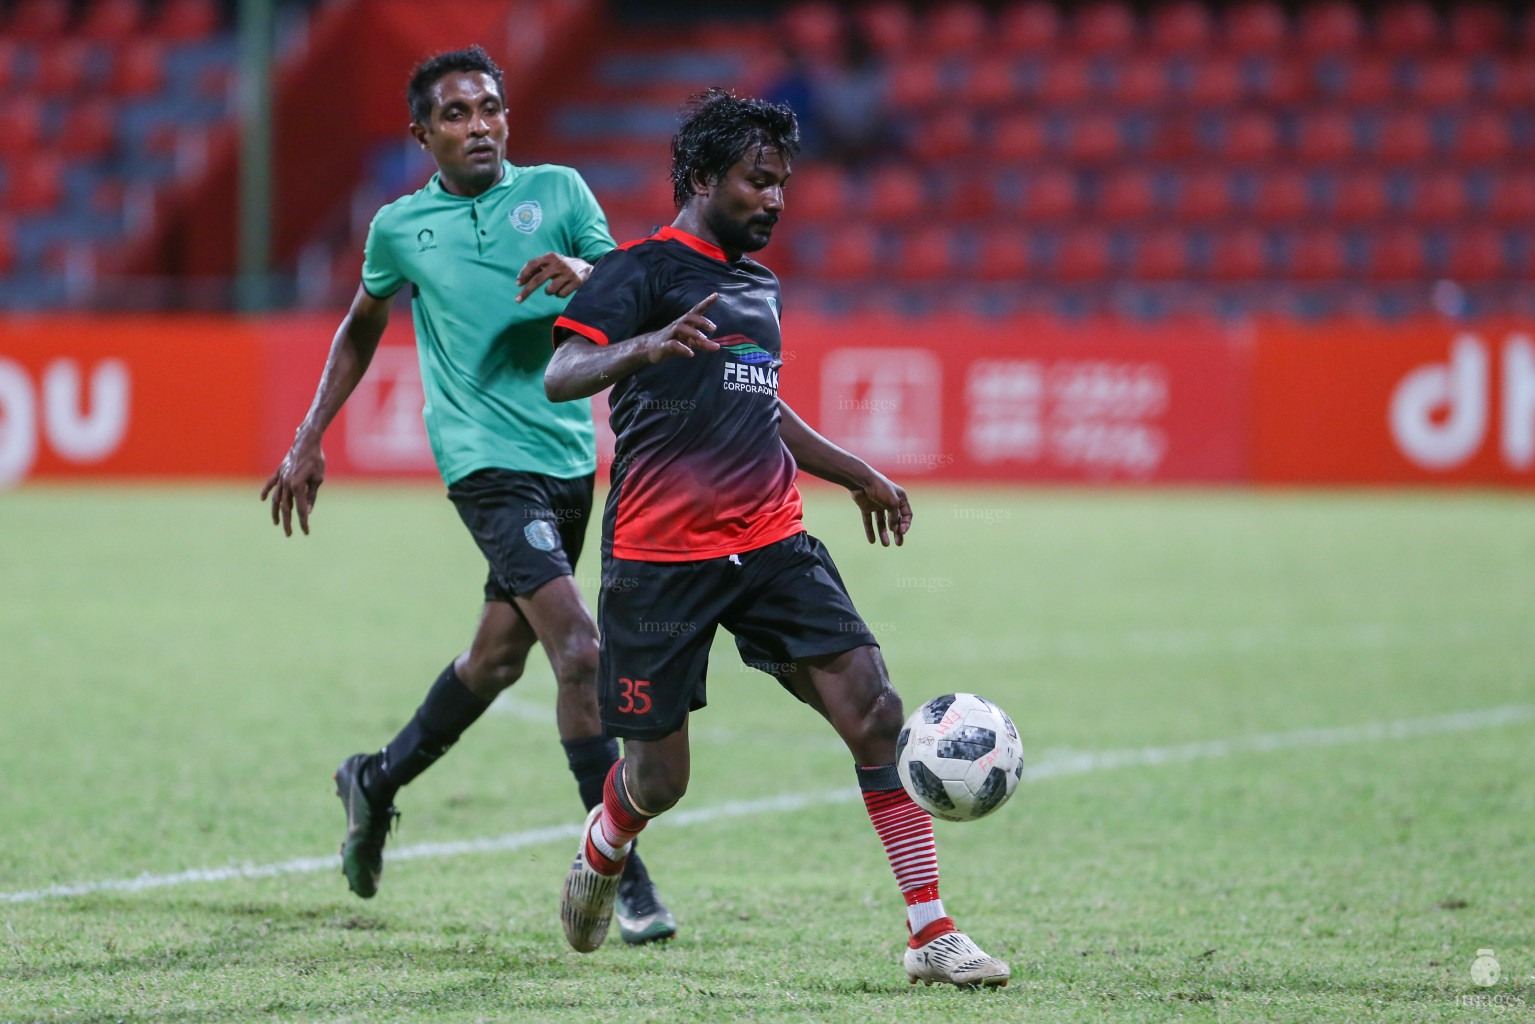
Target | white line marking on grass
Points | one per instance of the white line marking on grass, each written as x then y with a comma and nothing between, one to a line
516,707
1076,764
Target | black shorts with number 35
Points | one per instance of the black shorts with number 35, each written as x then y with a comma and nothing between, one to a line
783,602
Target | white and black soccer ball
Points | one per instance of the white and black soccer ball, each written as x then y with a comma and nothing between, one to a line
959,757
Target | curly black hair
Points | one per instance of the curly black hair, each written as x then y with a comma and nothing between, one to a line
419,93
718,129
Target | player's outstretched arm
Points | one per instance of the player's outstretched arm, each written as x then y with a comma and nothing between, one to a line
561,275
581,368
883,503
297,481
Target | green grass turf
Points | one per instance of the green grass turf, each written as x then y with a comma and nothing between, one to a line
177,683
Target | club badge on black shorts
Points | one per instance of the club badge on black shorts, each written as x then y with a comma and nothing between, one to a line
540,534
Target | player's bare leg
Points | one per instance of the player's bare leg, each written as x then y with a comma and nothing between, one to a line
852,691
564,624
650,779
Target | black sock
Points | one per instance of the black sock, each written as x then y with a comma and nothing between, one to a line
590,759
450,708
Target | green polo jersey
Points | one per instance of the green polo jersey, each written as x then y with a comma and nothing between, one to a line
482,353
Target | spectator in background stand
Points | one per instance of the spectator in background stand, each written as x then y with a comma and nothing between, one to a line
840,103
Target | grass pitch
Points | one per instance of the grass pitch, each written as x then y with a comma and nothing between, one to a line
177,683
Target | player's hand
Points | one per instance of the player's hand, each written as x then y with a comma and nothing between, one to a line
296,485
561,275
685,335
884,507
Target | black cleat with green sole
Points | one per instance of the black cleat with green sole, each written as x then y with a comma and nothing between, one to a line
367,826
641,915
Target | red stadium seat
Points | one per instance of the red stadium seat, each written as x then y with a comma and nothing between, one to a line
895,193
958,27
1126,195
1326,137
1181,26
34,183
1284,197
7,246
1513,199
1443,81
1318,254
925,255
915,84
1239,255
1050,196
1396,254
889,26
1174,137
1140,80
187,21
1408,26
1030,27
1514,81
1204,196
1439,198
1019,138
1477,254
111,21
139,70
1331,26
1259,26
1482,137
37,21
1160,255
948,137
968,195
813,30
849,255
1104,26
62,67
816,193
1250,137
21,121
1367,79
1216,81
1405,138
1093,138
991,81
10,63
1003,255
1360,197
1082,255
1066,81
1477,27
1282,81
88,129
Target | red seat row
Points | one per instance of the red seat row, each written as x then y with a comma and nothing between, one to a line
73,67
1141,80
1248,137
1178,26
1237,255
111,21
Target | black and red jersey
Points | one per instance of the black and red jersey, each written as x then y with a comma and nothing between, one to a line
699,470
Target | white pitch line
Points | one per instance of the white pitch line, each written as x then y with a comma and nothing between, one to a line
1076,764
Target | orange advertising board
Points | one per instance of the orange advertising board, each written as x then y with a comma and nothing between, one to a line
1418,403
128,396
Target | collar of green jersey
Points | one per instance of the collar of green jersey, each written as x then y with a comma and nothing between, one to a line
508,175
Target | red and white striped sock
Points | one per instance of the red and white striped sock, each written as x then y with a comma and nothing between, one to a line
906,831
612,831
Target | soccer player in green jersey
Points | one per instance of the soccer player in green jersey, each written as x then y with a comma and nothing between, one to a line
476,244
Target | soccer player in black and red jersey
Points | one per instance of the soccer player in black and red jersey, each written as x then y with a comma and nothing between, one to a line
703,527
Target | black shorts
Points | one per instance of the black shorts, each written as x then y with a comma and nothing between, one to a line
783,602
530,527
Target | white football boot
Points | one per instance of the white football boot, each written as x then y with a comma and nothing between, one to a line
586,902
954,959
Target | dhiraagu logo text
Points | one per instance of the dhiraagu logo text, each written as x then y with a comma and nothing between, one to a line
748,366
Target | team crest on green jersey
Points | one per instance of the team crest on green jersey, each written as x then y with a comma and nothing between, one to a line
527,216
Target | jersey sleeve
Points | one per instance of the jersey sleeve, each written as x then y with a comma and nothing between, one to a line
381,274
590,238
613,302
